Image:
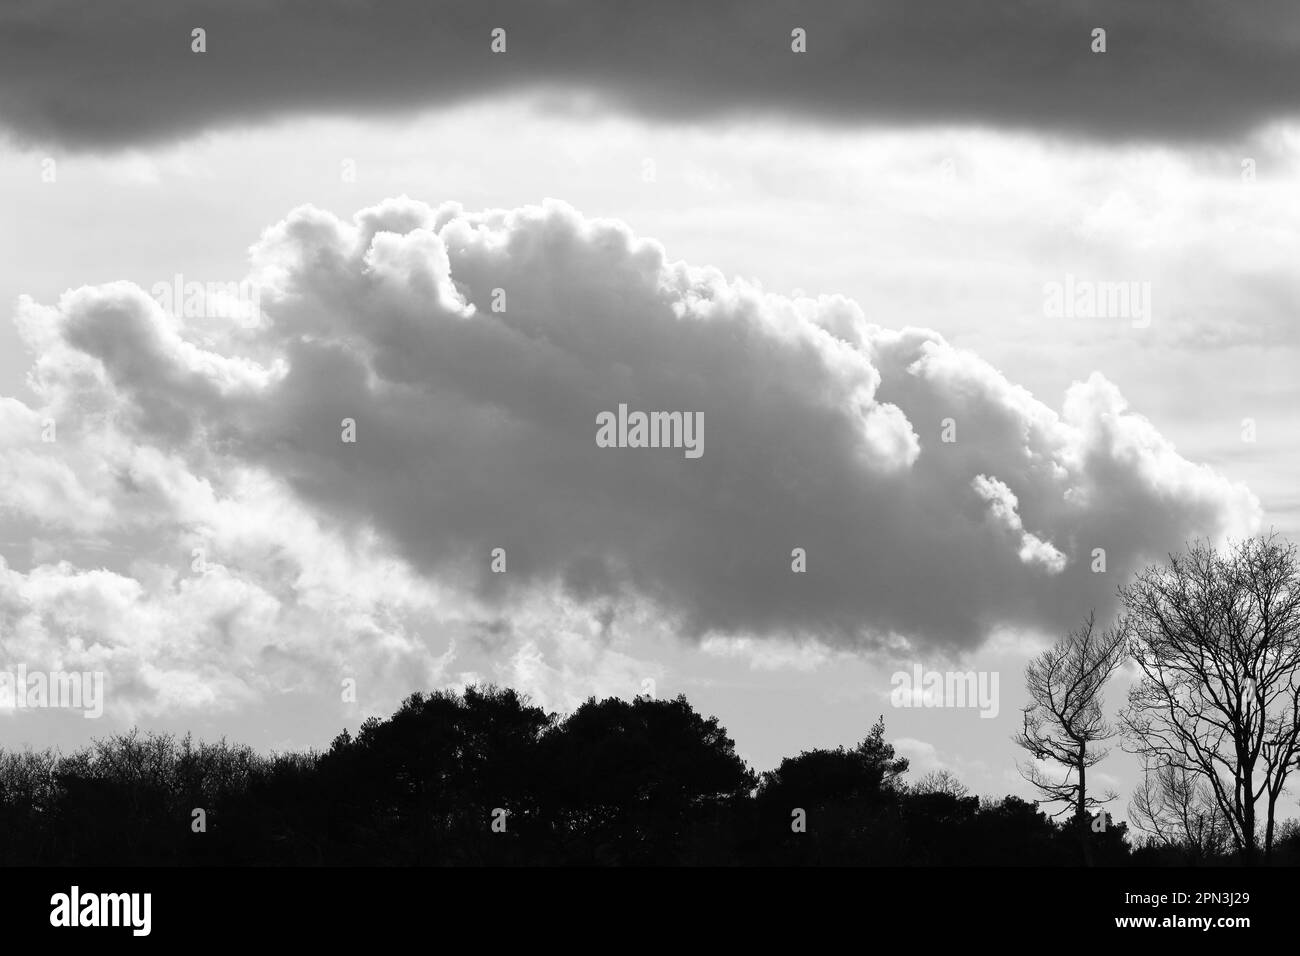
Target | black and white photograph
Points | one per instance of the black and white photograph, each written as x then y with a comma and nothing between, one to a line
684,447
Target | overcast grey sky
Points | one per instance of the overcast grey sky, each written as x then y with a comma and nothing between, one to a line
1198,69
826,254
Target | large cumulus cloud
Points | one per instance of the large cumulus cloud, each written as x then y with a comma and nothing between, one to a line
475,430
123,74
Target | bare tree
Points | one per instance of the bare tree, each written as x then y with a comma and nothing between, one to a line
1063,722
941,781
1174,804
1216,635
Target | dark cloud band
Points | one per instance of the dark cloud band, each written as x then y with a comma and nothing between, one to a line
95,76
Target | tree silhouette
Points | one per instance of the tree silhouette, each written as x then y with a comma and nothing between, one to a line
942,782
848,796
424,783
1063,721
1216,635
1176,806
631,781
870,772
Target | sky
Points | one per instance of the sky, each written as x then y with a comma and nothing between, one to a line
844,260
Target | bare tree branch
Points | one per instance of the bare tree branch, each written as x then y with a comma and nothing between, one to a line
1216,636
1063,720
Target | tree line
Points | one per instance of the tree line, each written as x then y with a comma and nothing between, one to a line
484,777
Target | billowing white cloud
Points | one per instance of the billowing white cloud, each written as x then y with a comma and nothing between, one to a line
474,352
1002,508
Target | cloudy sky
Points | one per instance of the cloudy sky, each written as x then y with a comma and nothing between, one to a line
842,259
